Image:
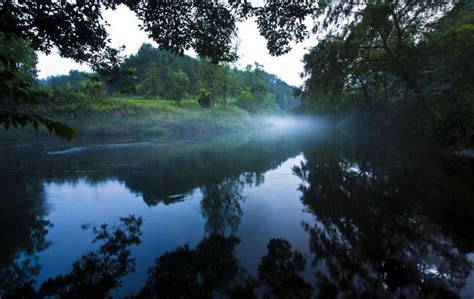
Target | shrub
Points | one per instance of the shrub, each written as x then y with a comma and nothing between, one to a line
204,99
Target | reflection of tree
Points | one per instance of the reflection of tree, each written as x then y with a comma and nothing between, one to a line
280,269
253,178
379,230
22,267
165,174
220,205
96,273
196,273
161,173
211,270
22,231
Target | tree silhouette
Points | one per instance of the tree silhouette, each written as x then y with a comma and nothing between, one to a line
220,206
378,230
195,273
280,269
97,273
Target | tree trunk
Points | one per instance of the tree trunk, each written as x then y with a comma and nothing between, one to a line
225,98
212,97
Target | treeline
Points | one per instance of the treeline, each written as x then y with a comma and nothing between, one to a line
400,64
158,74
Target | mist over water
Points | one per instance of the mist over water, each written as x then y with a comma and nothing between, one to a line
274,126
295,124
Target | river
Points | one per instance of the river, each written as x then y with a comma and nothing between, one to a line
299,209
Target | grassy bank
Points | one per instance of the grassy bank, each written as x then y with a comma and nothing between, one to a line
121,116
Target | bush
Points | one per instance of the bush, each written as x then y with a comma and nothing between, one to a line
204,99
92,87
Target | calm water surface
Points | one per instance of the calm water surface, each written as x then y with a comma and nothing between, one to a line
295,211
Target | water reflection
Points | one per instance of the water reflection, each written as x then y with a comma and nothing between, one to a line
23,231
389,221
220,206
95,274
280,270
195,273
386,220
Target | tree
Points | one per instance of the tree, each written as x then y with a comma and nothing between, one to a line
60,81
399,60
18,90
223,81
79,33
152,85
246,100
383,31
179,82
92,87
210,74
126,83
205,98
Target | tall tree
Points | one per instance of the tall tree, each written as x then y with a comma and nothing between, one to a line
179,82
79,32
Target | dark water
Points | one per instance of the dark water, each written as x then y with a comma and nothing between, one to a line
301,210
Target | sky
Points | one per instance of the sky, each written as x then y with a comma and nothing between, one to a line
124,30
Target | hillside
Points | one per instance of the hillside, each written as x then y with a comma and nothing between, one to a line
152,73
157,94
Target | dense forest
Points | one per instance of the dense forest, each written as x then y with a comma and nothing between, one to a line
155,93
152,73
400,65
405,66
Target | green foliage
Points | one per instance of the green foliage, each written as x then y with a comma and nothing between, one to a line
399,62
255,96
17,73
246,100
72,80
126,83
375,47
179,82
151,73
126,116
154,73
92,87
77,31
18,93
151,86
205,98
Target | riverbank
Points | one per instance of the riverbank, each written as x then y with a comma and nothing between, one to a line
127,117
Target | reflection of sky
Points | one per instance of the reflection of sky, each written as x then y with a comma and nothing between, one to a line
164,227
270,210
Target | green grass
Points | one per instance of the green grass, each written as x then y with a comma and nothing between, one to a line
122,116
